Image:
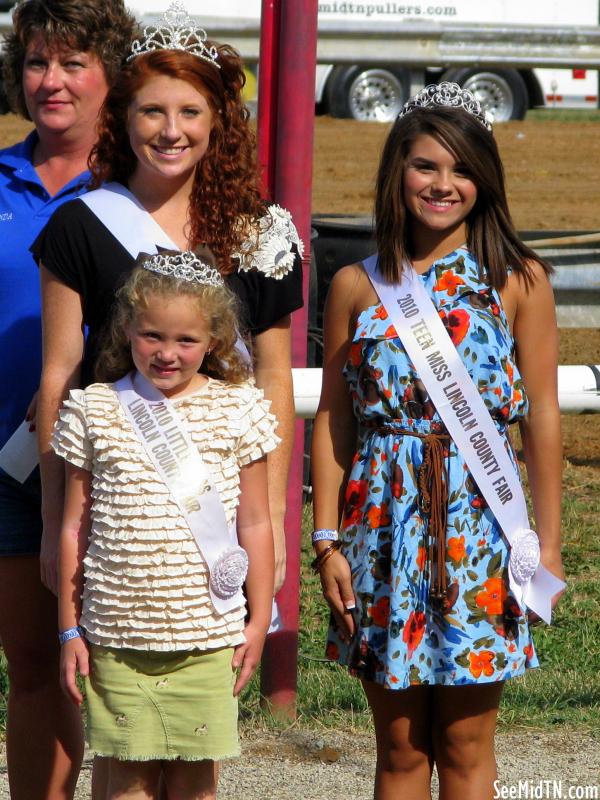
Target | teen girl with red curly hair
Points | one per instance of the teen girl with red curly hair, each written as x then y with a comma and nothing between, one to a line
174,144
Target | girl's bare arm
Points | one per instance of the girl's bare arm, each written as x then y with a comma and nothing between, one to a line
256,537
334,437
272,350
74,537
62,330
536,338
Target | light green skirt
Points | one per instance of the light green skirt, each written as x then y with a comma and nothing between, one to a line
145,706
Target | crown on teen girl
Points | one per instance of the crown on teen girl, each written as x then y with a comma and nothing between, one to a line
175,31
448,95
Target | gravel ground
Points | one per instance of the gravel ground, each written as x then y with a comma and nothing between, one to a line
308,765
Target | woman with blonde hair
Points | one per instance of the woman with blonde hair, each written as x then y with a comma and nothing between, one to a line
166,516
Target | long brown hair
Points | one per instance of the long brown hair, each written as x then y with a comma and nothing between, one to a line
491,236
226,183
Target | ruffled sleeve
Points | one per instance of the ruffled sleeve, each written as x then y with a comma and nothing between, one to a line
257,434
70,438
268,280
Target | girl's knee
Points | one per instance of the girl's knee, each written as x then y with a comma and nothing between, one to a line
132,778
191,780
402,760
399,755
465,738
463,748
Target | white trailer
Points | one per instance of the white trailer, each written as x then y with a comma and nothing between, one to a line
513,54
376,92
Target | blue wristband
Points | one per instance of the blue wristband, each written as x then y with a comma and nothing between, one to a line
324,535
70,633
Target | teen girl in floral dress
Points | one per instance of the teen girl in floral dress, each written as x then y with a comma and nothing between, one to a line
422,610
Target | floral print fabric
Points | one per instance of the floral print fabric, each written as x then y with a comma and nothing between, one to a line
401,639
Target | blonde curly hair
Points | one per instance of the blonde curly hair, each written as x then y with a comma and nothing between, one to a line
217,305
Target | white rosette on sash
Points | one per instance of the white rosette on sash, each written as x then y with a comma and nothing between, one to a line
470,425
524,556
179,464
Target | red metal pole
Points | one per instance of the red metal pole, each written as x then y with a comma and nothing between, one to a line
267,91
293,190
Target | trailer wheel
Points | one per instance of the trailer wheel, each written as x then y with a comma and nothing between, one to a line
374,94
501,92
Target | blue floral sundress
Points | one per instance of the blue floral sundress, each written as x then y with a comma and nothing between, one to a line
402,638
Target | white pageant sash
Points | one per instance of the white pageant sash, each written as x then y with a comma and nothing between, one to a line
178,462
472,428
125,217
134,228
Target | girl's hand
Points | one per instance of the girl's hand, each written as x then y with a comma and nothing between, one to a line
337,590
552,560
247,655
74,658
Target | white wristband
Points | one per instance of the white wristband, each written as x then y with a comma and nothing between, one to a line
71,633
324,535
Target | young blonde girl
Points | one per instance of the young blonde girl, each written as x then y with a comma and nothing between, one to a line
138,613
423,609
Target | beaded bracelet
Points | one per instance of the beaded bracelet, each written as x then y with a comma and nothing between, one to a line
324,535
70,633
318,562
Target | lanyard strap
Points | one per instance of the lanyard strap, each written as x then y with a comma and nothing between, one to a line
470,425
168,444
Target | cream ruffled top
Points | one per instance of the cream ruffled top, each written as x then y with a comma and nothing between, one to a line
146,584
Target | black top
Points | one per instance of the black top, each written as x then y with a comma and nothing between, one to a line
77,248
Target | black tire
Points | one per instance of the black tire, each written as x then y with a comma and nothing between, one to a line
368,93
501,92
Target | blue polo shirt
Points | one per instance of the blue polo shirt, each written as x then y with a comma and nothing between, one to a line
25,207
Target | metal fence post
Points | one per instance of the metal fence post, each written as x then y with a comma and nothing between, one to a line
289,166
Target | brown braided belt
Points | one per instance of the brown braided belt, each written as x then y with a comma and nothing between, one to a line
432,482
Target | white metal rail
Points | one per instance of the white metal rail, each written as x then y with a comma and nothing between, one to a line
578,390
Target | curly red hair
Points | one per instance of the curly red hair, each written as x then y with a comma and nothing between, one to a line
226,183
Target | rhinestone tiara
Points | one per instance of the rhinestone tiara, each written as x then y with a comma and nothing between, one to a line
175,31
184,266
449,95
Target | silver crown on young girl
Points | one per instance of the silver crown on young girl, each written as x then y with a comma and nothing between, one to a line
175,31
450,95
184,266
